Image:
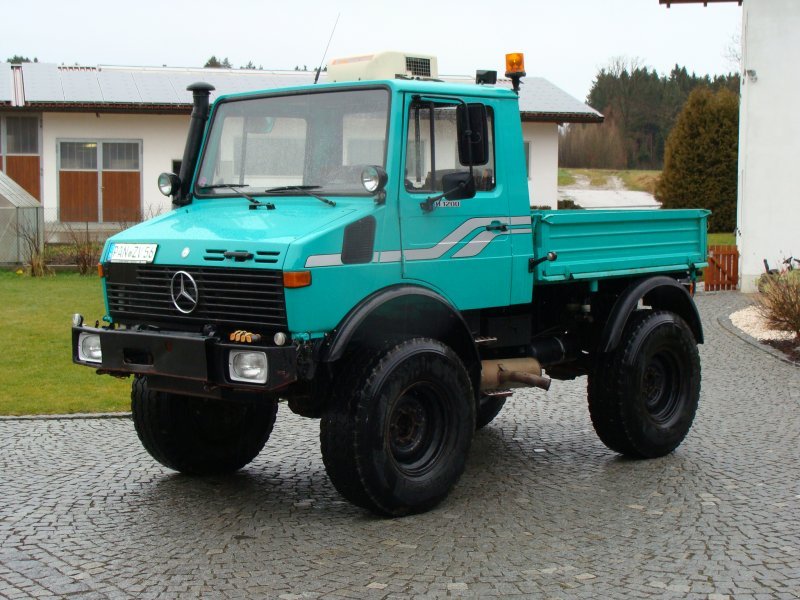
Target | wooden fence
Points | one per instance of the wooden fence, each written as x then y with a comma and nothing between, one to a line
722,272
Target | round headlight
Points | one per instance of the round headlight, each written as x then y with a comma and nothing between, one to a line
168,183
373,179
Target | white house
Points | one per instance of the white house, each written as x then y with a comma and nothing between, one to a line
89,142
768,213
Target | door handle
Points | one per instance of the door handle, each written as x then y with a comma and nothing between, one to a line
496,226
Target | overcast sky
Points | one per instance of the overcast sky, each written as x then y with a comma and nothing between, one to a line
565,41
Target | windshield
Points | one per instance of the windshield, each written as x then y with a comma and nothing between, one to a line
314,139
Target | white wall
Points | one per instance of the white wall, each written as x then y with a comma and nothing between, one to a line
162,136
769,137
543,168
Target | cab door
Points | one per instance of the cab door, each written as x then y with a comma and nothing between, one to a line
461,248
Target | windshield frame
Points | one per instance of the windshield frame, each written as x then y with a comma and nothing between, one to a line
223,193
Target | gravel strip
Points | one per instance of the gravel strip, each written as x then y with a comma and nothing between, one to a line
74,416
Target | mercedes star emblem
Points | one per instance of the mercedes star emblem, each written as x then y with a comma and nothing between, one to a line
183,290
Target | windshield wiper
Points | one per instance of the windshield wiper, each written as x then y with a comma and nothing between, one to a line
303,189
215,186
235,187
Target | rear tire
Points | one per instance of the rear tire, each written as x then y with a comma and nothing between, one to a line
200,436
396,432
643,396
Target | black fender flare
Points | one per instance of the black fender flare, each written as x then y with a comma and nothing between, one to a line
398,299
660,292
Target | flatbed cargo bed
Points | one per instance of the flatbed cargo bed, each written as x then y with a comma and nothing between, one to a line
595,244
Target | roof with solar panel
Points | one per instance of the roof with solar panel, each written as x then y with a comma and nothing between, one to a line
50,87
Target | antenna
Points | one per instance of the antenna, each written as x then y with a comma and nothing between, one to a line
324,54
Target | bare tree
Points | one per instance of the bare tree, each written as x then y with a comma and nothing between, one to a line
733,52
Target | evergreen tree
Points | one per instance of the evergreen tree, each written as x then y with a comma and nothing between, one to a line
18,59
646,104
700,161
215,63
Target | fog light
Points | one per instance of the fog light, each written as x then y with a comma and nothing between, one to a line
279,338
89,348
247,366
374,179
168,183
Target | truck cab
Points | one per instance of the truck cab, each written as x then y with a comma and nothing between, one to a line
365,250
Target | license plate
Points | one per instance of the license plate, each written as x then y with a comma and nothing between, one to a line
133,253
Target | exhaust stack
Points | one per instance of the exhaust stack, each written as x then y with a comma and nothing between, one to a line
200,95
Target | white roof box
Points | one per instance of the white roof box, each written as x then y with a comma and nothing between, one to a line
383,65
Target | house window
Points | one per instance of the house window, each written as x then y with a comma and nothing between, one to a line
22,135
79,156
121,156
528,159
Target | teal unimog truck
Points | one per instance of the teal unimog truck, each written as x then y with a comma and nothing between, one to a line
365,251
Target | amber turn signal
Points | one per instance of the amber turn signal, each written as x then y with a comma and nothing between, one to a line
296,279
515,62
99,269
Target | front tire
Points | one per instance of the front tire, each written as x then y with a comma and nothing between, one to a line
488,408
643,396
396,432
200,436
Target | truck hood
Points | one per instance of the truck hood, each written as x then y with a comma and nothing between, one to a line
200,234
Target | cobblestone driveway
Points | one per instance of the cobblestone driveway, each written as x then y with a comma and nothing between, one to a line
544,510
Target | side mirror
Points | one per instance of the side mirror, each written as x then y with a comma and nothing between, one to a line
473,134
458,186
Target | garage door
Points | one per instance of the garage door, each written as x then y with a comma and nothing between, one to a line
100,181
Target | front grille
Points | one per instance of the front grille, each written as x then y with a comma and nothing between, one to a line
141,294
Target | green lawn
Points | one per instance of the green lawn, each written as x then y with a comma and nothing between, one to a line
36,374
721,239
565,177
635,180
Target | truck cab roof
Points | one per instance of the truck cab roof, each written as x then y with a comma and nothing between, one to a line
422,86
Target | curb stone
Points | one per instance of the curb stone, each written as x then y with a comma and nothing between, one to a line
75,416
728,325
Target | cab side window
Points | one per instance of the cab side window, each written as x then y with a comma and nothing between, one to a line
432,149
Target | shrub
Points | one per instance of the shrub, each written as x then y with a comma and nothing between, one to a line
700,159
779,303
33,251
85,248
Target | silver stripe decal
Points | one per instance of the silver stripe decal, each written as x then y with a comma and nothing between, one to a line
451,240
324,260
390,256
472,248
477,244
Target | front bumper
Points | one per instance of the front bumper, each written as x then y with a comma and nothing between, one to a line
183,362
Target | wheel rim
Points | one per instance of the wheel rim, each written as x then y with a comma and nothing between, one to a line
662,387
417,428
